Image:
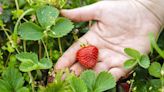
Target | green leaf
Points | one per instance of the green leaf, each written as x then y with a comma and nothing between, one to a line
47,15
13,61
12,80
130,63
140,74
22,3
30,31
144,61
133,53
155,46
4,86
63,27
25,56
89,77
139,86
29,62
45,63
154,85
155,69
56,87
78,85
23,89
104,82
28,66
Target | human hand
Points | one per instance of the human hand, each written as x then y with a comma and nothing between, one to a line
120,24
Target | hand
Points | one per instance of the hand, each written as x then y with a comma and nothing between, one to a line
120,24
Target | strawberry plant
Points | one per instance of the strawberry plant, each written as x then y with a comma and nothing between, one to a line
33,35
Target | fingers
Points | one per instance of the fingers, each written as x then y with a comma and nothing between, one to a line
69,57
109,59
77,68
118,72
101,66
85,13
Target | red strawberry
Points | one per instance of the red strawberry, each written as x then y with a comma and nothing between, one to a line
87,56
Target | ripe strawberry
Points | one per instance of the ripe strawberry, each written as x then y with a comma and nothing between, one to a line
87,56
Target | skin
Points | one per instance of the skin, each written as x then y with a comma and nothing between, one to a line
120,24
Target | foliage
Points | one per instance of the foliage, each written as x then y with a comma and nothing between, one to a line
29,62
12,81
148,76
84,83
137,58
33,35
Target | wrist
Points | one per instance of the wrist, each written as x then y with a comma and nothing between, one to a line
155,7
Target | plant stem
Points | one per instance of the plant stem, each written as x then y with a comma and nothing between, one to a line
5,30
131,85
31,81
17,50
24,45
60,47
17,5
7,59
6,34
11,41
25,20
155,46
75,37
45,47
40,49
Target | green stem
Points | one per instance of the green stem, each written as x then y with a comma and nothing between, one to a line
40,49
155,46
60,47
25,20
24,45
6,34
18,21
32,81
17,5
131,85
45,47
7,59
6,30
11,41
17,50
75,37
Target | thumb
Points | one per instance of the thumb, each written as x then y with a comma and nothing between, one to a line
85,13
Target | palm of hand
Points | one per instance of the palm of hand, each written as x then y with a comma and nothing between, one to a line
120,24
